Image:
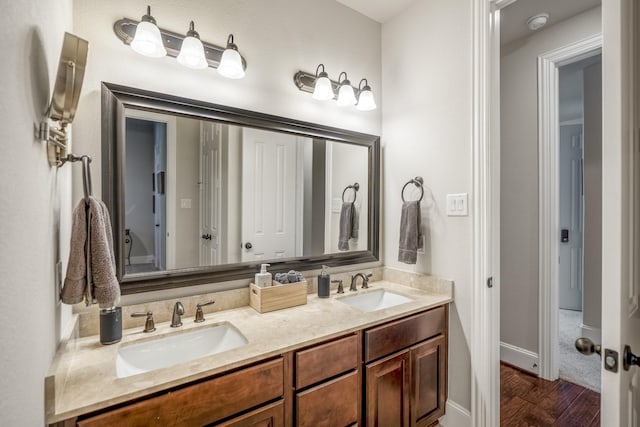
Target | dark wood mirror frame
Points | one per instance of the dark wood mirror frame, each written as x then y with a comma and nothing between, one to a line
116,98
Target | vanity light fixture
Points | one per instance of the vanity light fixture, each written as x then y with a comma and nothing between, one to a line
346,96
192,52
323,89
231,61
366,102
147,40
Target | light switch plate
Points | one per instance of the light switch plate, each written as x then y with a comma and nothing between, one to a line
336,205
458,204
185,203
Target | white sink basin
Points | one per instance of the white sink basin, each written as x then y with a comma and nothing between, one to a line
175,348
375,300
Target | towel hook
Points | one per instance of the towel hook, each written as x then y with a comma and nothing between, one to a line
355,188
417,181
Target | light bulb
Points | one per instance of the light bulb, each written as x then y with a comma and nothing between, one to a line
231,61
323,89
345,92
148,40
366,102
192,52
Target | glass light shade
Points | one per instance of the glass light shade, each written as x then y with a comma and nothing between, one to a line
192,54
231,64
323,90
366,101
148,41
346,96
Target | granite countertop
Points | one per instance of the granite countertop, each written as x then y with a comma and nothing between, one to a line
83,374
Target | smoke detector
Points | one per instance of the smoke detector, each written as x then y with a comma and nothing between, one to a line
537,21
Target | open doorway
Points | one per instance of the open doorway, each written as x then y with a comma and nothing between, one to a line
532,339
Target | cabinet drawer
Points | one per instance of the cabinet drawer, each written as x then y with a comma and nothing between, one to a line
391,337
334,403
201,403
265,416
326,360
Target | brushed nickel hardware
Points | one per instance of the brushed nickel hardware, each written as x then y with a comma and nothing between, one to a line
125,30
629,359
587,347
490,282
365,281
178,310
149,325
610,360
340,286
199,314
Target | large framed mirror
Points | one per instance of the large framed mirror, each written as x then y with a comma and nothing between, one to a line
204,193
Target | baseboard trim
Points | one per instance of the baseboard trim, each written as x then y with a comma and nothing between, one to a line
519,357
594,334
456,416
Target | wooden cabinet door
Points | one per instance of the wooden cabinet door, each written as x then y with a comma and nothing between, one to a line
428,381
267,416
387,391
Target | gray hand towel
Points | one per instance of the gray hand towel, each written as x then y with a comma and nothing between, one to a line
410,232
91,273
346,225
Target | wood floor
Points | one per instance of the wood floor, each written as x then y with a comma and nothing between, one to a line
526,400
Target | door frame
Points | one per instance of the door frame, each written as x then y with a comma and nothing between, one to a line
170,191
549,195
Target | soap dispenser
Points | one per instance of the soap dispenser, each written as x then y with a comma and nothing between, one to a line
324,283
263,279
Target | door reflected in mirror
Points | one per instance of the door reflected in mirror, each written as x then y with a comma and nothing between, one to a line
200,193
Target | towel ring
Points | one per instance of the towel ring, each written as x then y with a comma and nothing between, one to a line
355,188
417,181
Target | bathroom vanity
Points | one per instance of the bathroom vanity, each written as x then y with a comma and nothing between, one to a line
321,364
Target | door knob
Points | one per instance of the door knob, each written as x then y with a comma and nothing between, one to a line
206,236
629,359
248,245
587,347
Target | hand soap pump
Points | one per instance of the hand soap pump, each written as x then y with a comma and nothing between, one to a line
324,283
263,279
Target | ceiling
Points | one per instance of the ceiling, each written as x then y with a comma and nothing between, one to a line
513,18
378,10
513,22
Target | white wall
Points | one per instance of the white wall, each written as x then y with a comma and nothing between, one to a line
277,38
426,56
34,208
519,175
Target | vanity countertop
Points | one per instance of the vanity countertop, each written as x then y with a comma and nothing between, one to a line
83,374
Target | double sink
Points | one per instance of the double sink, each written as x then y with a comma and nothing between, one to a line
181,347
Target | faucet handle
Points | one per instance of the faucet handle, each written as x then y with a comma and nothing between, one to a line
149,324
340,286
199,314
365,282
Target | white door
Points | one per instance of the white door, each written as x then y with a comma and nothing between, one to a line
269,195
210,139
620,404
570,218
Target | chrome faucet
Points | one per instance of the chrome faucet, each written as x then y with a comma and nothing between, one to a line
365,281
178,310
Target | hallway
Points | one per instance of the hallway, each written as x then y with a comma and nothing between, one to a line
526,400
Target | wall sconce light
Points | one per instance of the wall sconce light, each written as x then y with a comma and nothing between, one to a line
366,102
146,38
322,88
192,52
231,61
346,96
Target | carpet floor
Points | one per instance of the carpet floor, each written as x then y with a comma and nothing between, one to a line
575,367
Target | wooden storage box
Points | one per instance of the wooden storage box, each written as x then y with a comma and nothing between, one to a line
278,296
